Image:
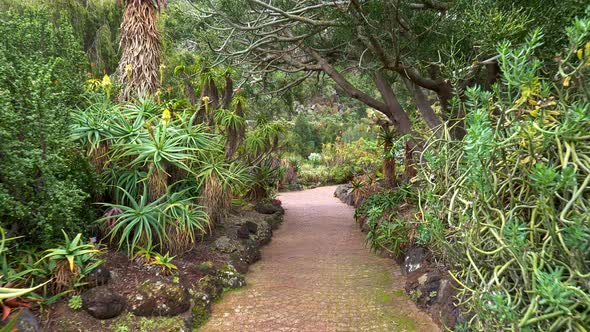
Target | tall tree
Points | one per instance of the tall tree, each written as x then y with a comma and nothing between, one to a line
438,47
140,45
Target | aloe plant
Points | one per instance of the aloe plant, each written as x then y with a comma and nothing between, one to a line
75,252
139,223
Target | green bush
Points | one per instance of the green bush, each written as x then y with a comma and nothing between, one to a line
44,181
513,195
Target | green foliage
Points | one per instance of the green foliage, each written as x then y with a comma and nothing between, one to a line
386,230
306,139
506,207
44,181
75,302
340,162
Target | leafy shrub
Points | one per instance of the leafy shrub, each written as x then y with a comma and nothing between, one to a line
386,229
44,180
513,195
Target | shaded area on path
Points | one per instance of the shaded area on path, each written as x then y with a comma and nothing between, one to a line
317,275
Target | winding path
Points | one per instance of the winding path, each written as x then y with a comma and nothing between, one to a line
316,275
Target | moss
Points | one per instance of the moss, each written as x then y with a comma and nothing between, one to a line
399,293
415,294
405,323
383,296
209,285
129,322
200,316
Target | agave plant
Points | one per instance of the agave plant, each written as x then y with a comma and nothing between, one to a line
131,180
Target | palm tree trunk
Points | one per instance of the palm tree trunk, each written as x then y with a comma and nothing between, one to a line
140,50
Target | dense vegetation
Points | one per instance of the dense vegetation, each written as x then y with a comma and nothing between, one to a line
463,127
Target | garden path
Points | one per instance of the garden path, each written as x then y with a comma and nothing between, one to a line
316,275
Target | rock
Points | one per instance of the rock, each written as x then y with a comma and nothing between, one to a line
238,261
25,321
414,259
267,207
210,285
230,278
435,291
251,226
102,303
226,245
264,233
99,276
160,299
204,268
344,193
243,232
423,285
274,220
201,310
250,251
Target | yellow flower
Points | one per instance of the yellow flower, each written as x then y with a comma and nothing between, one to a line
206,99
566,81
128,71
166,116
580,54
106,81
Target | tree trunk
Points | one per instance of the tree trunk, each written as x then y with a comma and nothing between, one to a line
389,175
393,109
424,107
139,66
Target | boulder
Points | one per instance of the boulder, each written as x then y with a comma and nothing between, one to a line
434,290
102,303
25,321
274,220
268,207
99,276
210,285
264,233
251,251
344,193
243,232
159,299
423,285
230,278
251,226
247,228
238,261
204,268
414,259
201,310
226,245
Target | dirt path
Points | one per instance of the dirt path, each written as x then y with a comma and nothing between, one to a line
316,275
